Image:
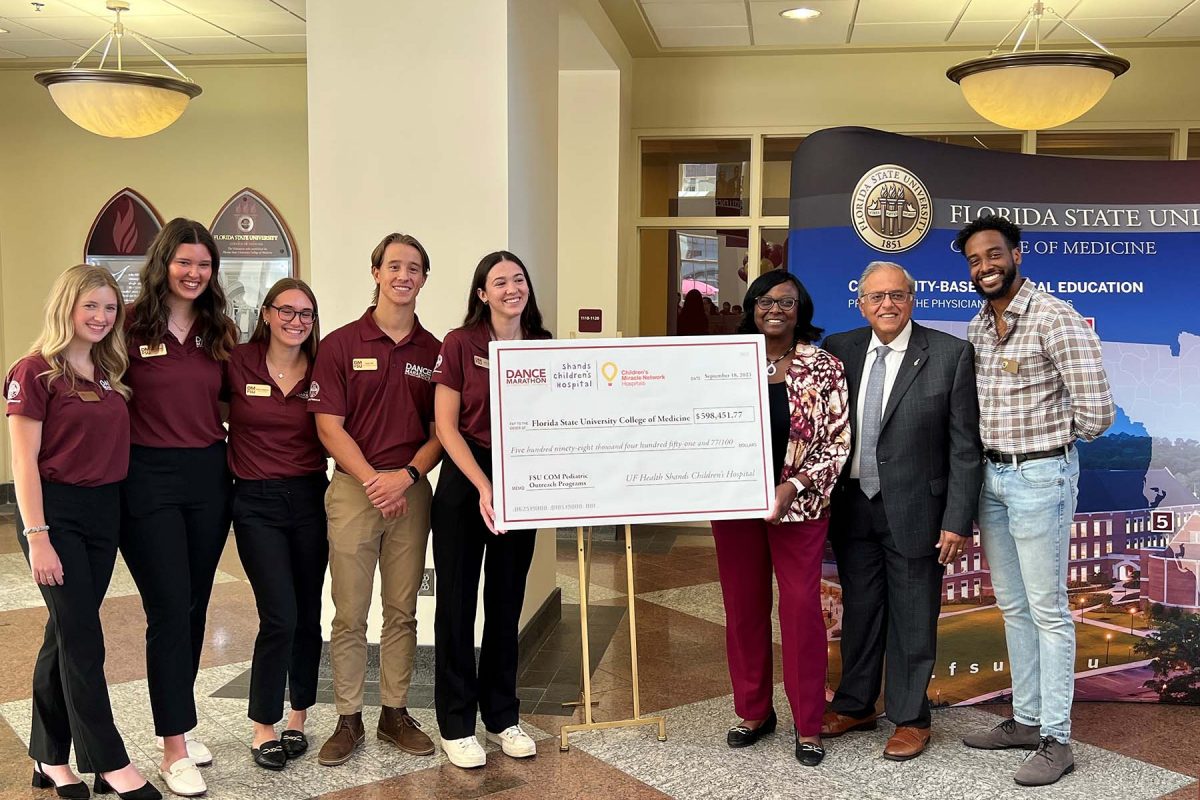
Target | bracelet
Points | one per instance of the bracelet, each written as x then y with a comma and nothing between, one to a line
35,529
413,472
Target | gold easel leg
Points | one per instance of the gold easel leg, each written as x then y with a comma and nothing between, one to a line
581,553
638,719
586,581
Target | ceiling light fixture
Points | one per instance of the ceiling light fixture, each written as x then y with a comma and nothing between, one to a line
800,14
118,103
1037,89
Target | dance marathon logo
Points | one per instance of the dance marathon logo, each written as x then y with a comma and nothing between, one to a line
529,376
417,371
891,209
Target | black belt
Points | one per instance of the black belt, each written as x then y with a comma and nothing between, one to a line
996,457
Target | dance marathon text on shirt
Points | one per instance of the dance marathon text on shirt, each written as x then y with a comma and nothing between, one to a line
606,431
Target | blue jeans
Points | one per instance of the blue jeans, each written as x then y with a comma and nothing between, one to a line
1025,515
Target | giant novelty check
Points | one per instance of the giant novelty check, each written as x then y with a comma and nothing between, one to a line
603,431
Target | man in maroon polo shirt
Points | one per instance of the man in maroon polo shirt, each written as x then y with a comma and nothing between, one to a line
373,398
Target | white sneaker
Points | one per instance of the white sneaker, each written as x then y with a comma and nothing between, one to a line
465,752
514,742
197,750
184,779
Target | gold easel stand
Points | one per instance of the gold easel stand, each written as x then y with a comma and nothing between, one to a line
588,724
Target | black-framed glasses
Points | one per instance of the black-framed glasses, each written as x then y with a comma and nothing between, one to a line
287,314
765,303
876,298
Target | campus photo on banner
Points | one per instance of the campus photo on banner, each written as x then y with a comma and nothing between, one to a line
1117,240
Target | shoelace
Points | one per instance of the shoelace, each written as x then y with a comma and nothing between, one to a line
1009,726
1044,748
513,731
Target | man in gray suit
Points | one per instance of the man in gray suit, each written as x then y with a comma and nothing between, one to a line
903,507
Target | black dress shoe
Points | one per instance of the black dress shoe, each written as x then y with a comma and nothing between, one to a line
72,791
144,792
809,754
741,736
270,756
294,743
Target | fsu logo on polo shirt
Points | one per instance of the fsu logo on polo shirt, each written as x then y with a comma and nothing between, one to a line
14,389
105,385
891,209
313,389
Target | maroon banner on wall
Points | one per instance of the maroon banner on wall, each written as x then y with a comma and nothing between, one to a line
120,237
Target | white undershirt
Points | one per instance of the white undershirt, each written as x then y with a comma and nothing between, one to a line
890,368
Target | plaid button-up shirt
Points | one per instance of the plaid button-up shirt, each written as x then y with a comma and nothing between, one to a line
1042,385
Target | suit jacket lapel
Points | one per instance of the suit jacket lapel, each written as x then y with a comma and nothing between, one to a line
854,368
914,360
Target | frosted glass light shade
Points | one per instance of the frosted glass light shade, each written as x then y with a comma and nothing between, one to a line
1036,90
117,103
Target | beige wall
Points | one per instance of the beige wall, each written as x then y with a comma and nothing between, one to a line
248,128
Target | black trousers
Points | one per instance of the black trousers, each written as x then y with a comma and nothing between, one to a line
281,538
462,544
890,607
70,696
175,521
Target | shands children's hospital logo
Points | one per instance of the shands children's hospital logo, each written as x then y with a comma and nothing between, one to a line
891,209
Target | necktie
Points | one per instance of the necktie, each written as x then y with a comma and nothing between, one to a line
868,463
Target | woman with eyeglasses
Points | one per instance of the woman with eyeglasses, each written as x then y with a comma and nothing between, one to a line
278,465
810,441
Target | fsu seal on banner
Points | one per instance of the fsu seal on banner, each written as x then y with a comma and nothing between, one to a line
120,237
1116,239
256,250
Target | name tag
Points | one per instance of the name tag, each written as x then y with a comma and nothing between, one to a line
258,390
480,361
1011,366
150,352
89,396
364,364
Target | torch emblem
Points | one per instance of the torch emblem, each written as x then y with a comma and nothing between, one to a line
891,209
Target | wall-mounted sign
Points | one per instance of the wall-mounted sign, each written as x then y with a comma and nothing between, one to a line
256,251
591,320
120,237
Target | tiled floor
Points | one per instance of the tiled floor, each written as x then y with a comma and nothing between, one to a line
1124,751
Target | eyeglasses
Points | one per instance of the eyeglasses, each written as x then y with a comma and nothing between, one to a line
287,314
876,298
765,303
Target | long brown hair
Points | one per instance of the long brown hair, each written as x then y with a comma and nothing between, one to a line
262,331
478,312
150,312
109,354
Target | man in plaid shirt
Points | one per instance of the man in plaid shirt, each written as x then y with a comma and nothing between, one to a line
1041,385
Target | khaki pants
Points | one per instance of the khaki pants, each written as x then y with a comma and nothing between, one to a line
359,539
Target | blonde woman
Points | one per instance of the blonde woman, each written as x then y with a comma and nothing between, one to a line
69,424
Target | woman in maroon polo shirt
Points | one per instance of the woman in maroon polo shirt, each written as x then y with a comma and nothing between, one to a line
501,306
176,498
69,426
278,465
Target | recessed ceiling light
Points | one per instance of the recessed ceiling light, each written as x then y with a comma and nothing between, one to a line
800,13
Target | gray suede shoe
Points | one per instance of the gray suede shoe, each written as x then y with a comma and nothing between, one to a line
1009,733
1052,760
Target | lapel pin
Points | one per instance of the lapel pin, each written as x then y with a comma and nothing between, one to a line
918,361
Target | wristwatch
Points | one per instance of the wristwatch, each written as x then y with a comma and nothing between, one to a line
413,473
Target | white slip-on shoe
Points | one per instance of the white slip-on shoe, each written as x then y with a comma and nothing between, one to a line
514,742
197,750
184,779
466,752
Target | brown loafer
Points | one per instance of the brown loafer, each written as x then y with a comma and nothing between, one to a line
397,726
906,743
835,724
346,738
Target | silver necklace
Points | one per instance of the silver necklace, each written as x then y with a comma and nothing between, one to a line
771,362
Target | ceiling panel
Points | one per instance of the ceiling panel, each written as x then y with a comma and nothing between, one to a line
900,33
22,9
139,8
826,30
1185,24
704,37
879,11
205,7
10,54
988,33
1007,10
1105,30
167,27
16,30
1110,9
213,45
132,48
279,23
70,27
45,48
294,6
281,44
696,15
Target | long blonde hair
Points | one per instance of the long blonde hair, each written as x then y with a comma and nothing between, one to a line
109,354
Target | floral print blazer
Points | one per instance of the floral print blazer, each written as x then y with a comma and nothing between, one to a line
819,436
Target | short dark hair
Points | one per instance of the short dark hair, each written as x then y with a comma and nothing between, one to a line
990,222
805,330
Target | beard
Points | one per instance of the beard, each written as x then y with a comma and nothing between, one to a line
1010,277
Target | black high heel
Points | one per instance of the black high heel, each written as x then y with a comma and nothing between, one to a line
144,792
72,791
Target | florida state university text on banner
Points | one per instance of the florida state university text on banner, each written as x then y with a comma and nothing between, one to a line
629,430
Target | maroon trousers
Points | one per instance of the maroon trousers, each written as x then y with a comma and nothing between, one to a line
747,549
